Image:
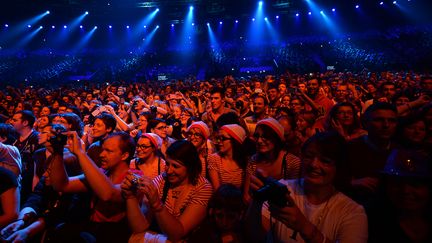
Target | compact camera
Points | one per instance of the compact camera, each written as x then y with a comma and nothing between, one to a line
273,191
58,138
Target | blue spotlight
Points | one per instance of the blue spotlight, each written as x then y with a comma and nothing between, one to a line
208,24
65,26
357,6
277,16
260,3
127,26
145,26
41,27
6,25
157,10
297,14
47,12
266,19
110,26
310,13
81,26
157,26
193,24
95,27
191,8
86,12
220,22
52,27
394,2
236,21
333,10
253,19
29,26
381,3
321,12
172,25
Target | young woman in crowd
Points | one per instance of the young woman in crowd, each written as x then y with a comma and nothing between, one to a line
343,119
270,160
148,156
198,134
176,202
228,164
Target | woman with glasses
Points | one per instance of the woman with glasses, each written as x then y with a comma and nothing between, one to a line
228,164
176,201
141,124
198,134
160,128
148,156
271,159
343,119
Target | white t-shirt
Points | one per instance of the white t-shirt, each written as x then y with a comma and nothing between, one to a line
342,219
10,158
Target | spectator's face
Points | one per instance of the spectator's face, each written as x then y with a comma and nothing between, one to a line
227,220
177,112
62,109
282,88
144,148
45,135
296,105
18,123
316,171
302,87
313,87
415,133
341,92
427,85
258,105
36,110
382,124
89,97
288,129
196,137
273,94
176,172
389,90
216,101
142,123
43,121
263,142
99,129
161,130
111,155
223,142
45,111
345,116
286,101
408,194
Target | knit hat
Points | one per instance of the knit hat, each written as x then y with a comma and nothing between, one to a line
235,131
202,127
154,139
274,125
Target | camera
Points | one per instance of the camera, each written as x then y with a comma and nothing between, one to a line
239,104
58,139
135,183
273,191
153,109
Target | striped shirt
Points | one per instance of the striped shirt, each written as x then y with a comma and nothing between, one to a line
198,194
291,170
234,176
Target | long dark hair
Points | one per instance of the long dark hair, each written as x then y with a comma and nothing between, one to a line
186,153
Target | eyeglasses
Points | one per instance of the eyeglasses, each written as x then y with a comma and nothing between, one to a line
220,139
142,146
194,134
161,127
258,136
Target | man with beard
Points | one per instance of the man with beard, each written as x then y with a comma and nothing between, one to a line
217,100
260,104
319,98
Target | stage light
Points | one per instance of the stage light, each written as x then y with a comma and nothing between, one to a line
357,6
260,3
95,27
172,25
381,3
310,13
145,26
253,19
333,10
394,2
64,26
6,25
208,24
157,10
47,12
81,26
86,12
157,26
52,27
220,22
193,24
191,8
41,27
297,14
265,18
28,26
277,16
321,12
110,26
127,27
236,21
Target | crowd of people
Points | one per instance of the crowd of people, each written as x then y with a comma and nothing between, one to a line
317,157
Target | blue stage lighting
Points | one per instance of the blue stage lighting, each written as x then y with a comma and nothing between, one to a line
253,19
145,26
260,3
220,22
157,10
6,25
381,3
193,24
297,14
64,26
310,13
321,12
86,12
41,27
157,26
357,6
52,27
29,26
191,8
47,12
265,18
81,26
208,24
95,27
394,2
333,10
127,26
277,16
110,26
236,21
172,25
